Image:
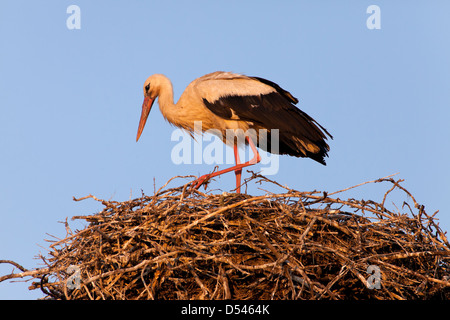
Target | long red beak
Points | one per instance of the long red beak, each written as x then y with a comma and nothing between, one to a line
146,107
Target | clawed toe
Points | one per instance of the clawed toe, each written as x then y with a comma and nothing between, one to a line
203,180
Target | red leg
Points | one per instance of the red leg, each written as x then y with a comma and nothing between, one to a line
237,172
237,168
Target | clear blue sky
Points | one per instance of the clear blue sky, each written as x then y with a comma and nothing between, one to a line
70,100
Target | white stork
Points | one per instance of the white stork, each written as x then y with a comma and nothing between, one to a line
225,100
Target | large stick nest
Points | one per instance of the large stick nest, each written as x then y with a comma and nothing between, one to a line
185,244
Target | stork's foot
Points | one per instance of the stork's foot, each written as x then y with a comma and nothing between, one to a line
203,180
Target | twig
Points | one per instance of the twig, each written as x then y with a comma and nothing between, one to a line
363,183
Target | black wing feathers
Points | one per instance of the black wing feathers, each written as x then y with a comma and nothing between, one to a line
280,90
299,134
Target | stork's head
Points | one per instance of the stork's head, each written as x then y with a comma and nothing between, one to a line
151,90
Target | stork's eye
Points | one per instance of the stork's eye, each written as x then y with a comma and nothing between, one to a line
147,87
